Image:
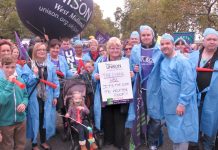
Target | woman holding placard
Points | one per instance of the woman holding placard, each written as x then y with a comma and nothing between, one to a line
110,118
41,116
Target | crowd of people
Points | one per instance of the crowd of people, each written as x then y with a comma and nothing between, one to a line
174,82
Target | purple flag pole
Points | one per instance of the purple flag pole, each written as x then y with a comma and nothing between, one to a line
23,52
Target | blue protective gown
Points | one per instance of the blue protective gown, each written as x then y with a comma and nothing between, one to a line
2,74
33,107
154,96
87,57
178,87
209,117
64,68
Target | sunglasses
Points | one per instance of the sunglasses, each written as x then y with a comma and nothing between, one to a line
128,49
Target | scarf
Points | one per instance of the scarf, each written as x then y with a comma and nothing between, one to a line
94,55
41,88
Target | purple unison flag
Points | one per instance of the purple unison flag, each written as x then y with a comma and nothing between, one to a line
102,38
23,53
140,123
71,61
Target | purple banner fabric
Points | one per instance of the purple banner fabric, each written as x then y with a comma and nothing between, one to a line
71,61
146,64
23,53
102,38
140,123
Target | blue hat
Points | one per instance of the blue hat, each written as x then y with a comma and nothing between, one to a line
167,36
146,27
134,34
180,39
78,43
209,31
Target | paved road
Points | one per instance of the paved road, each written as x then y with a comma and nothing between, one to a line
57,143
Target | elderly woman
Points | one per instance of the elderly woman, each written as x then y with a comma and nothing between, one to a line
93,54
41,115
127,49
112,117
134,38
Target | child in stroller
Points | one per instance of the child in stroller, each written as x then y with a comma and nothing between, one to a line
77,111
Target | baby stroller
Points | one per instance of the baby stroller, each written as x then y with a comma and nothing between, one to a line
71,85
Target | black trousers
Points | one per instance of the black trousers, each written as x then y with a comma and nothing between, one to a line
83,132
42,131
113,122
154,132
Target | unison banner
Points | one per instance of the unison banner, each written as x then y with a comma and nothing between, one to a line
56,18
116,86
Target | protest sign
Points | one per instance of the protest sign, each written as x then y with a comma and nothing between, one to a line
116,87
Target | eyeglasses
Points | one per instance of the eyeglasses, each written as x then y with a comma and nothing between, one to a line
128,49
41,49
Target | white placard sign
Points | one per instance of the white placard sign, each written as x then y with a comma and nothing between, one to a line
116,86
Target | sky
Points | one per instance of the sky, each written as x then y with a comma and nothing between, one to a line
108,7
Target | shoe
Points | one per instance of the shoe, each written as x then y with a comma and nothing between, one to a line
94,145
152,147
83,147
35,148
47,147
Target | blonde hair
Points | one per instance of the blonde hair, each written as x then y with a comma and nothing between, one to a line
114,41
35,49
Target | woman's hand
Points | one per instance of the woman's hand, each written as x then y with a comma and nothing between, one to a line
131,74
21,108
97,76
180,110
136,68
35,70
54,102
